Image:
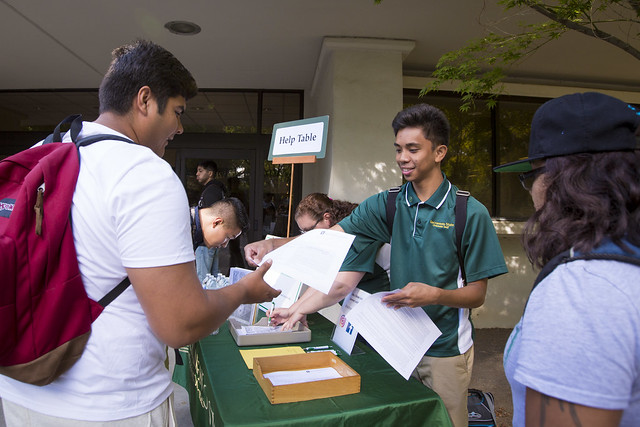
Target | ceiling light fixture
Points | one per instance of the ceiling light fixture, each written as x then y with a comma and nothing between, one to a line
183,28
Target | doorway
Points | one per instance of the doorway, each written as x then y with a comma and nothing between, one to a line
237,172
248,175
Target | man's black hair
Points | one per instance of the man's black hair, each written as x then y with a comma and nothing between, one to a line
433,122
144,63
209,165
242,218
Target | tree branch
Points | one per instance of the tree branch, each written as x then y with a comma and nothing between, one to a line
589,31
635,5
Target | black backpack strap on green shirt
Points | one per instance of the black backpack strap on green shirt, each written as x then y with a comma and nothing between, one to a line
461,221
391,207
460,211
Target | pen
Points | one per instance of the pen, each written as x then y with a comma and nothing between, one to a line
319,351
273,306
321,347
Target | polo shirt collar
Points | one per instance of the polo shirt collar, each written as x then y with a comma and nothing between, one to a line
436,200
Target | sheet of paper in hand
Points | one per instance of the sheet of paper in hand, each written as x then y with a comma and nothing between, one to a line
314,258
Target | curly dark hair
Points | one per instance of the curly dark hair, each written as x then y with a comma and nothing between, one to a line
317,204
589,197
143,63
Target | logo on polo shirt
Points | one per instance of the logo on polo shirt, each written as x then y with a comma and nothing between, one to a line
445,225
6,207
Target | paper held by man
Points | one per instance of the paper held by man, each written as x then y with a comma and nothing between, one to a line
401,336
314,259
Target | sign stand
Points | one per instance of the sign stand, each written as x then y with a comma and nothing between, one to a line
300,141
293,161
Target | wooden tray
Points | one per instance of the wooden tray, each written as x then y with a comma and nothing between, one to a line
349,383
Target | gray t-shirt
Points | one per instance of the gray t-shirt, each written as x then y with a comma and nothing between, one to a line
579,339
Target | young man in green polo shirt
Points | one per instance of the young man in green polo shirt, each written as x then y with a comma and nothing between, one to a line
424,262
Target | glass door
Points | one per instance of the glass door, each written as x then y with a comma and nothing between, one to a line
237,172
263,187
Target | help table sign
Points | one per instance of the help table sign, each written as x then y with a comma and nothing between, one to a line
300,138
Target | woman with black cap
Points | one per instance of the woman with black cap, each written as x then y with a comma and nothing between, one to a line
574,357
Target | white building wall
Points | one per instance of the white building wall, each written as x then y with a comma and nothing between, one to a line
352,76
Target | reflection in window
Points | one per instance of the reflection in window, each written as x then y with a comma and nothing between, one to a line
234,174
222,112
513,126
210,111
277,178
475,136
278,107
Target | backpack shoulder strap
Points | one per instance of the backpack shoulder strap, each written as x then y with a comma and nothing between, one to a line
459,224
95,138
120,288
391,207
551,265
75,126
83,142
115,292
569,255
75,123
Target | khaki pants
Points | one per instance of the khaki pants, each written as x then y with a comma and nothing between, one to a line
19,416
450,378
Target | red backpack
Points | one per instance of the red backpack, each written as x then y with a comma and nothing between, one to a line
45,313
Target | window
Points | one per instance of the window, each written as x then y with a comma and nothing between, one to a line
278,107
481,139
210,111
513,123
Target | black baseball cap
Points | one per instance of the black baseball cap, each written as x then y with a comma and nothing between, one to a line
588,122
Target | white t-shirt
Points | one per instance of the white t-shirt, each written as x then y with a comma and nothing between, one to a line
579,339
129,209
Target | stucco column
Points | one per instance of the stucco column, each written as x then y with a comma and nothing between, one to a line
358,84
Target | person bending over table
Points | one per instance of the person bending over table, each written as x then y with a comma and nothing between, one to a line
216,225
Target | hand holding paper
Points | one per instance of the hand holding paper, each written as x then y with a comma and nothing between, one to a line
400,336
314,258
414,294
254,252
256,290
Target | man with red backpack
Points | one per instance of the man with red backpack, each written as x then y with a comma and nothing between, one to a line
130,217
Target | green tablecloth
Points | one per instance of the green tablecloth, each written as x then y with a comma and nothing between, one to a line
223,392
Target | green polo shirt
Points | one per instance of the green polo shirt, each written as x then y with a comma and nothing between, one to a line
375,278
423,250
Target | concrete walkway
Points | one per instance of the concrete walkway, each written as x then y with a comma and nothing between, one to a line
181,405
488,373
